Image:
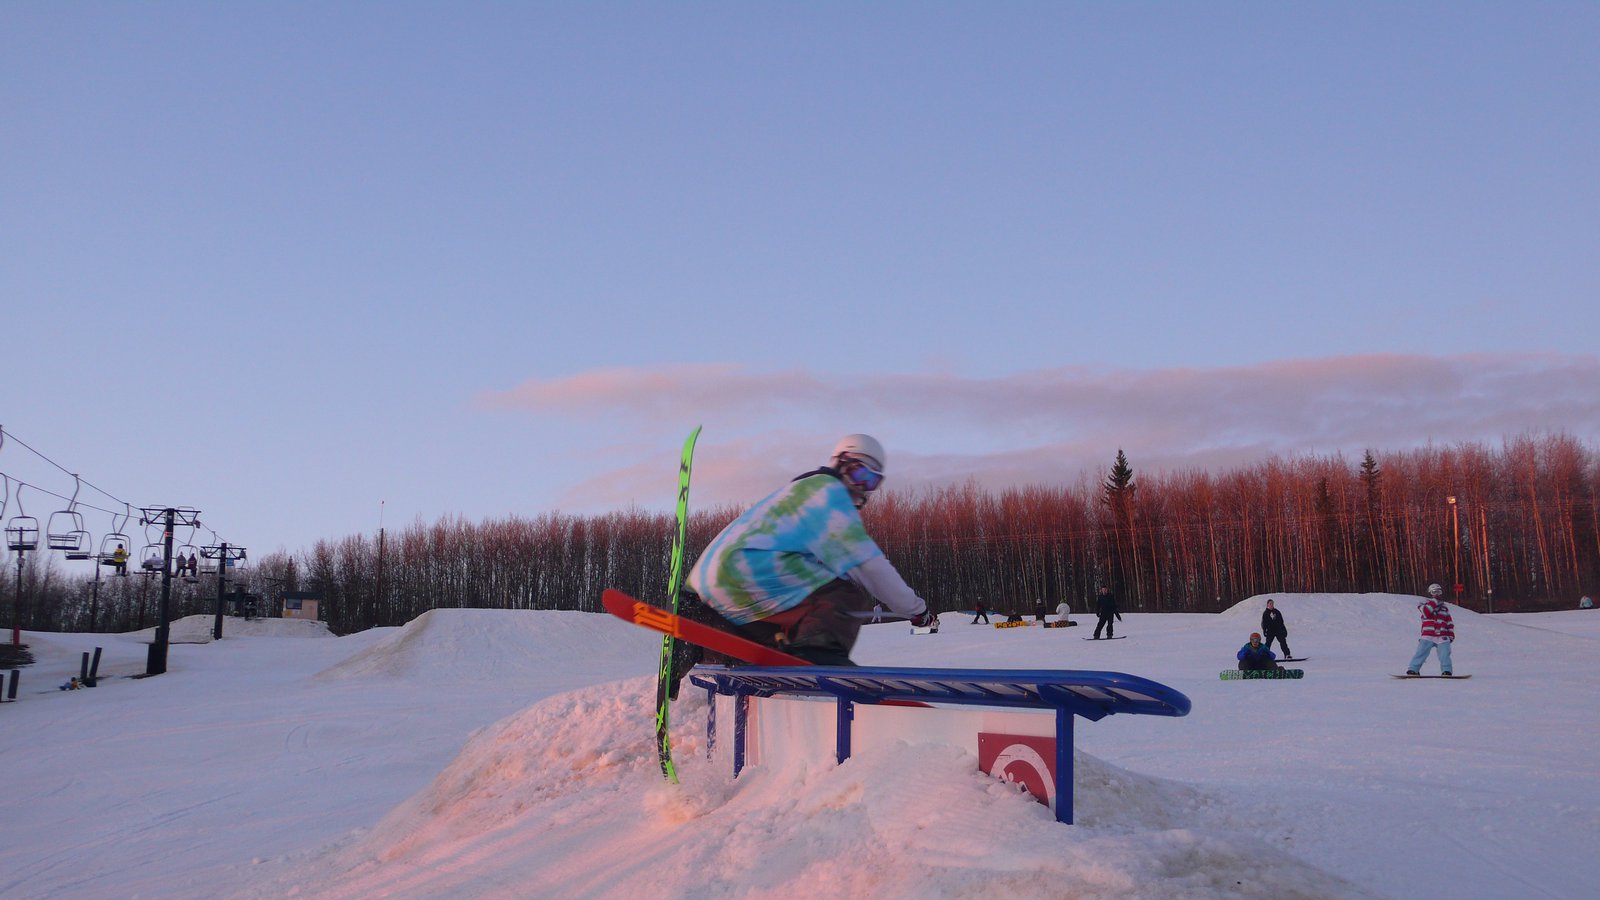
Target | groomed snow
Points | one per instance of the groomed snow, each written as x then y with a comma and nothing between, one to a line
486,753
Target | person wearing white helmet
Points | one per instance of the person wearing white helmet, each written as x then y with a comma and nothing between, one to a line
1438,631
798,571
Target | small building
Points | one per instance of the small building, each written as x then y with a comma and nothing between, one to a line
300,605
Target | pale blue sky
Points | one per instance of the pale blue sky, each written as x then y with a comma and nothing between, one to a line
284,261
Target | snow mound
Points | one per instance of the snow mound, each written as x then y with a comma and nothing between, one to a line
491,644
579,771
197,629
1385,614
1345,612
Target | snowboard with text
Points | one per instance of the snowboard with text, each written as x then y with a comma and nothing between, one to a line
1246,674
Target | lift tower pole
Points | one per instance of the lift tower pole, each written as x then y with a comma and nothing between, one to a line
225,554
170,517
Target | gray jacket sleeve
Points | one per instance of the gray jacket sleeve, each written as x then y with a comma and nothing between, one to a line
882,580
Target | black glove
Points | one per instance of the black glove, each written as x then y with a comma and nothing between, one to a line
927,619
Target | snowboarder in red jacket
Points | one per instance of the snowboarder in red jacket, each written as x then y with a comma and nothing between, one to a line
1438,631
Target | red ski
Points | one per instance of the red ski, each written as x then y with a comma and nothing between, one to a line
657,619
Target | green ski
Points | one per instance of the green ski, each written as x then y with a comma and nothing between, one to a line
664,674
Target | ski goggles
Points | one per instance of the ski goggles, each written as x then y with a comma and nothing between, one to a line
860,477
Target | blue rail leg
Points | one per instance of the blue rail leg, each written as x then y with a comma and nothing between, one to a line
741,723
845,714
711,721
1064,766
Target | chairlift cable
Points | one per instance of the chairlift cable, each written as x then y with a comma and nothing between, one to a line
20,483
30,449
77,529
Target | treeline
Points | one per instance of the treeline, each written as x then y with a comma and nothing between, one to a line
1521,534
57,596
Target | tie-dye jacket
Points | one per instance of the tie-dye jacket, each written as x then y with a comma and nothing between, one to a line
774,555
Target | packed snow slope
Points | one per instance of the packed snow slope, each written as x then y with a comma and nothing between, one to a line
478,753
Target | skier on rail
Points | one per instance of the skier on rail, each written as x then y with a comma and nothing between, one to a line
797,570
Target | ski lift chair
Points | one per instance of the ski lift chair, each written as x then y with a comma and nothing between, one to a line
184,552
108,551
152,551
109,543
81,542
22,533
66,532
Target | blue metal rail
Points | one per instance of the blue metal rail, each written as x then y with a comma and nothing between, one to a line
1092,695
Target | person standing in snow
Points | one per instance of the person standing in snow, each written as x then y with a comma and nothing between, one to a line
797,570
1105,607
1256,656
1272,627
1438,632
980,612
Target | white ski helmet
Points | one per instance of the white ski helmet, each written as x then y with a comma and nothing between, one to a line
863,448
1435,591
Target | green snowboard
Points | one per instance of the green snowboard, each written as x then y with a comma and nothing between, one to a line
1237,675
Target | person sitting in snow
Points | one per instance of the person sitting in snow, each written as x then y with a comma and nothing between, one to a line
1254,656
797,570
1438,632
1586,603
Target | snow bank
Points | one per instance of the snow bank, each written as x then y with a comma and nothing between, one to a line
566,799
1375,613
198,629
522,765
478,645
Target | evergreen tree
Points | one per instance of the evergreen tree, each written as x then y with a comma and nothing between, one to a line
1119,486
1372,543
1117,494
1328,555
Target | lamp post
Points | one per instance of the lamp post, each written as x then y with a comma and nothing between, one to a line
1455,546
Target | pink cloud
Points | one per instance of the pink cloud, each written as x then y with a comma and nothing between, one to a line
1055,425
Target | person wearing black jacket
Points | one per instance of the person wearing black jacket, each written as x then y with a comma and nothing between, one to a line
1105,607
1272,627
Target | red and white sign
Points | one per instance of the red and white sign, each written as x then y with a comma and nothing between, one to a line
1028,761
